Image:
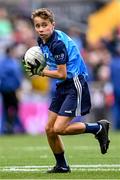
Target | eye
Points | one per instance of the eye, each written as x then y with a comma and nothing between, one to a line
44,25
37,25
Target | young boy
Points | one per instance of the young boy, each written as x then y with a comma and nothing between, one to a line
72,96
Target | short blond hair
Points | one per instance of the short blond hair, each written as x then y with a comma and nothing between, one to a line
44,13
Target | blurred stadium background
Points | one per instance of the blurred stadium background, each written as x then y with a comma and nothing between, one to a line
95,27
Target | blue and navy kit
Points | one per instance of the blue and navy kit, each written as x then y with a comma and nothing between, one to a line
61,49
70,99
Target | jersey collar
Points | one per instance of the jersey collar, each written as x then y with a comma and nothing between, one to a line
52,37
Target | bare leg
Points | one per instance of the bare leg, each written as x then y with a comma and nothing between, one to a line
62,126
54,140
56,145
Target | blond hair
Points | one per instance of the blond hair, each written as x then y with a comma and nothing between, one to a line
43,13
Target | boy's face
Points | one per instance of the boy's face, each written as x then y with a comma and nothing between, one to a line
44,28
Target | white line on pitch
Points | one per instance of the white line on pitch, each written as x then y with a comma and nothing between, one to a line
73,166
42,170
95,167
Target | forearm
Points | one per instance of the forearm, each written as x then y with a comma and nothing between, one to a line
53,74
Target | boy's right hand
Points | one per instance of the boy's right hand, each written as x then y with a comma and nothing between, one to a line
32,69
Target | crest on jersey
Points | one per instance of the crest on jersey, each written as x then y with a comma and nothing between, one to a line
60,56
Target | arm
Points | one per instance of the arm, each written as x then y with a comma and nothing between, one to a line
60,73
60,54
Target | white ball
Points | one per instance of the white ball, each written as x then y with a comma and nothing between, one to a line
33,53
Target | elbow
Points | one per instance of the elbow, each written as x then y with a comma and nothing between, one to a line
63,76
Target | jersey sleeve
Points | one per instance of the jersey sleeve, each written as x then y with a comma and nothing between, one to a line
60,53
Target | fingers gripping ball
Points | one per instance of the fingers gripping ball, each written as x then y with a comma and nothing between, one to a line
34,61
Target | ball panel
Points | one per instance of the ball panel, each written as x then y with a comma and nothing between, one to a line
35,53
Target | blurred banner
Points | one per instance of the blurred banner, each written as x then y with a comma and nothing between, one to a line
34,117
103,22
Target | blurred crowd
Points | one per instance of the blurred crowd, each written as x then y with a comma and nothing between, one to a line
102,60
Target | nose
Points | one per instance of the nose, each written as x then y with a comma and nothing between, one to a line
40,29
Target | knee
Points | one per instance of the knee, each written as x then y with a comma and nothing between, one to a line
49,130
59,130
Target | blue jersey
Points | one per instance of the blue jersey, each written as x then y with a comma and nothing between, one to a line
61,49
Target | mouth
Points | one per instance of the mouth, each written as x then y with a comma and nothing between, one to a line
42,35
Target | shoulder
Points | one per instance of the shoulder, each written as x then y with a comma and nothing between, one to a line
58,43
62,40
58,49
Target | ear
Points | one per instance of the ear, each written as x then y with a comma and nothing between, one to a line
53,25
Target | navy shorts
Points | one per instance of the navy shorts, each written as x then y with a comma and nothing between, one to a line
72,98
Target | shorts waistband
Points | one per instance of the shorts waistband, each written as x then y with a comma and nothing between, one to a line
67,81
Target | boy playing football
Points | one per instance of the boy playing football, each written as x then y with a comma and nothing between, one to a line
72,96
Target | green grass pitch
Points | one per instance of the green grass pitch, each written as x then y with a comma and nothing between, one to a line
29,157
